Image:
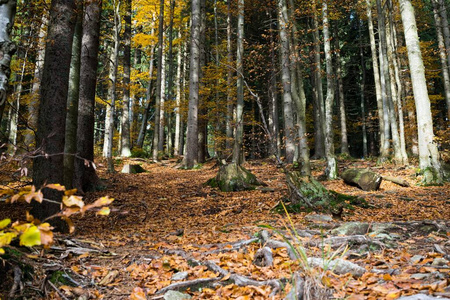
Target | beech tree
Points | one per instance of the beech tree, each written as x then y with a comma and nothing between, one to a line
48,166
428,152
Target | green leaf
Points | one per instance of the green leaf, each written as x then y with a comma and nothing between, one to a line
31,237
4,223
104,211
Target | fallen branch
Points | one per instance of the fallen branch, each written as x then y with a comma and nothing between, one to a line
192,284
396,180
17,282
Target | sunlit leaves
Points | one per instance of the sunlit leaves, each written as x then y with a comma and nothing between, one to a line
4,223
30,237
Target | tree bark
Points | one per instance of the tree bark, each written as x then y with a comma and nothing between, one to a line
70,146
331,170
178,84
7,48
48,166
239,137
192,130
230,106
442,55
125,122
85,178
289,131
156,136
428,152
376,74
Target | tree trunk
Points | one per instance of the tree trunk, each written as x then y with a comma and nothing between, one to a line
298,93
125,123
170,79
331,170
7,48
239,137
178,83
445,29
156,136
442,55
143,130
85,178
48,166
162,101
230,106
274,126
289,131
376,74
202,105
428,151
194,72
318,103
340,83
362,178
70,145
362,92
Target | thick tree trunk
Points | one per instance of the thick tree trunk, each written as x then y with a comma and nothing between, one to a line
428,151
289,130
70,146
48,167
362,178
192,130
178,83
230,106
233,177
239,137
85,178
7,48
331,170
125,122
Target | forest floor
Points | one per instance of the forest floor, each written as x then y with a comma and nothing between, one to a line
165,221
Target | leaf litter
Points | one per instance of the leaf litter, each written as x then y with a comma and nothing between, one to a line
166,221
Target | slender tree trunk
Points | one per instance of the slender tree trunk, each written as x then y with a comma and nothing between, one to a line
202,118
428,151
331,170
445,29
156,136
376,73
143,130
85,178
70,145
239,137
340,82
298,94
229,118
170,79
385,82
162,101
29,139
48,167
319,115
125,137
289,131
442,55
7,48
194,72
273,98
362,92
178,82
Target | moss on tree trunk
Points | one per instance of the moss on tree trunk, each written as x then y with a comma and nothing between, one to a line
362,178
233,177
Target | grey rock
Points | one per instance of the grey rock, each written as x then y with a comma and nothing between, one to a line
439,261
319,218
420,276
351,228
179,276
417,258
174,295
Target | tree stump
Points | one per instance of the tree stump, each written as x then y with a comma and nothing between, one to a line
132,169
310,194
362,178
233,177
